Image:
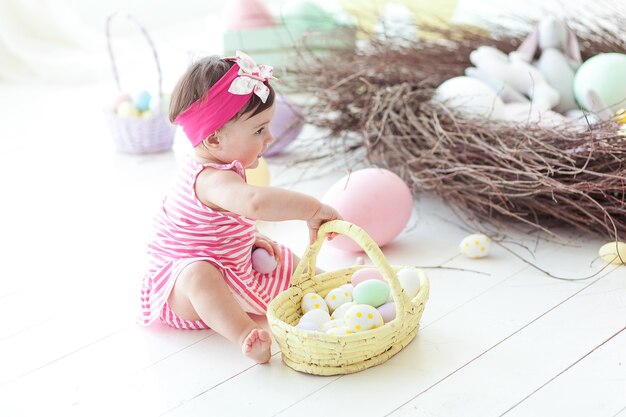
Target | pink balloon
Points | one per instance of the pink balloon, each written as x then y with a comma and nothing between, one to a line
286,125
376,200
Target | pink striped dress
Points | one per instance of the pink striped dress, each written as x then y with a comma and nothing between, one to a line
187,231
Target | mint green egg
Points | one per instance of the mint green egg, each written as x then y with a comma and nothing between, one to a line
371,292
605,74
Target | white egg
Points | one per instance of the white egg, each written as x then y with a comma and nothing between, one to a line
362,317
471,97
475,246
348,287
337,297
313,301
409,281
317,317
340,312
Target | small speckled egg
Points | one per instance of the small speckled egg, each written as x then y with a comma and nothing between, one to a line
317,317
612,252
361,317
337,297
475,246
333,323
339,331
365,274
313,301
409,281
387,311
372,292
340,312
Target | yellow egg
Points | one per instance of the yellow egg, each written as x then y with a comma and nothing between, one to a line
612,252
259,176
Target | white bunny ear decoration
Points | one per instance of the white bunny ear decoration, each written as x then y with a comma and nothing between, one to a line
528,48
573,50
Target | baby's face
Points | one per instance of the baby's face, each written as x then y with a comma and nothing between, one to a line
246,139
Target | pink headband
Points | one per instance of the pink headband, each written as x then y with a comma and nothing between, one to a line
225,98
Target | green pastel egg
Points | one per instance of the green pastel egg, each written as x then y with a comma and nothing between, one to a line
371,292
606,75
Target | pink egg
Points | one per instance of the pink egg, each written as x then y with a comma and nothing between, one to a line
387,311
365,274
375,199
262,261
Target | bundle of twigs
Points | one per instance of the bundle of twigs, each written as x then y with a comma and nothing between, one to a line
379,99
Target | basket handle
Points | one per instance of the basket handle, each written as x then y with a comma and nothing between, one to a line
144,32
365,242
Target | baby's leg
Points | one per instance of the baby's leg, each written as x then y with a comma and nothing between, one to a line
200,292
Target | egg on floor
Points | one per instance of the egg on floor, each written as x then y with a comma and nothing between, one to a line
313,301
613,253
475,246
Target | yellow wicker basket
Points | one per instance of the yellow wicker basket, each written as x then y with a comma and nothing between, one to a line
322,354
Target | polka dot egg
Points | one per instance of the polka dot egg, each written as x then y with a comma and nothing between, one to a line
475,246
362,317
313,301
340,312
337,297
339,331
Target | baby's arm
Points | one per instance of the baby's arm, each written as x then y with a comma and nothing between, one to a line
226,190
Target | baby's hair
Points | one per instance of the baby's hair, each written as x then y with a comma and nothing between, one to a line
200,77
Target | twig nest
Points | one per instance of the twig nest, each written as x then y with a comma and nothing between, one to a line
475,246
613,253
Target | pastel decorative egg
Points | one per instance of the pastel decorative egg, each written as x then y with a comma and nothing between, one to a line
262,261
126,109
286,125
142,100
259,176
372,292
333,323
376,200
348,287
337,297
120,99
409,281
387,311
365,274
307,325
475,246
313,301
471,97
339,331
613,252
317,317
604,74
340,312
363,317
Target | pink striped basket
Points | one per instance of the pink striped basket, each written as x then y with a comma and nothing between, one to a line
139,134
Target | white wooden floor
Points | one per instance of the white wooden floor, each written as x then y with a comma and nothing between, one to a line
74,220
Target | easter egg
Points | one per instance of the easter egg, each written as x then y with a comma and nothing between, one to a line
307,325
337,297
317,317
409,281
259,176
613,252
339,331
387,311
333,323
376,200
372,292
313,301
340,312
126,109
286,125
262,261
604,74
364,274
120,99
348,287
363,317
142,100
471,97
475,246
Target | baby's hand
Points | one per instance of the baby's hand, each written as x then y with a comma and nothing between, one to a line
324,213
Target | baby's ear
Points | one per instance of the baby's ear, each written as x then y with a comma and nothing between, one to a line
211,141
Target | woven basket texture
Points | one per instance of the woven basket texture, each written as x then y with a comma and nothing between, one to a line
139,134
322,354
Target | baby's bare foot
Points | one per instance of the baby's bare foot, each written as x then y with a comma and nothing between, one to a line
257,345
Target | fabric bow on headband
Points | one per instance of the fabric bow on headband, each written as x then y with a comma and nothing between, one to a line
251,77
